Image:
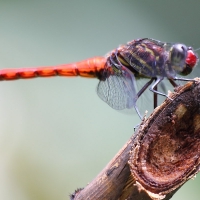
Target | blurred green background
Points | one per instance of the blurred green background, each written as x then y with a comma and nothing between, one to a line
56,134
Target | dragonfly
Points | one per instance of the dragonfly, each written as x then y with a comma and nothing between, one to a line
119,70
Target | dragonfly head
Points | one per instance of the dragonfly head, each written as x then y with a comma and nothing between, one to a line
182,59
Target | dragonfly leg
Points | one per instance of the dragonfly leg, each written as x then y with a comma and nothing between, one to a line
162,85
183,79
145,87
138,112
155,97
140,93
173,82
152,88
116,63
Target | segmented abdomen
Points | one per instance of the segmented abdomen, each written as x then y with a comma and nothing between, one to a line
91,68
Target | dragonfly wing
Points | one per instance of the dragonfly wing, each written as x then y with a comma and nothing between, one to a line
130,88
118,91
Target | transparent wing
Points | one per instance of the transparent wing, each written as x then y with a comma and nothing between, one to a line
118,90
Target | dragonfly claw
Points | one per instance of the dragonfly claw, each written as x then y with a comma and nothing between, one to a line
170,98
136,127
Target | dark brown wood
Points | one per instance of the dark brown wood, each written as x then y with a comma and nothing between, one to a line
159,158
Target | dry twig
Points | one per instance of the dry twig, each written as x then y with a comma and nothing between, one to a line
159,158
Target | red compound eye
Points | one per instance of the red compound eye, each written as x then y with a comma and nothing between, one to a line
191,59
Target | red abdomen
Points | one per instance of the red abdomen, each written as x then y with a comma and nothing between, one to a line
91,68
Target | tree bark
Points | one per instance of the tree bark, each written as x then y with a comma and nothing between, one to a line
159,158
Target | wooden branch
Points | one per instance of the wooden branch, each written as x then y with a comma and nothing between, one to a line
159,158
